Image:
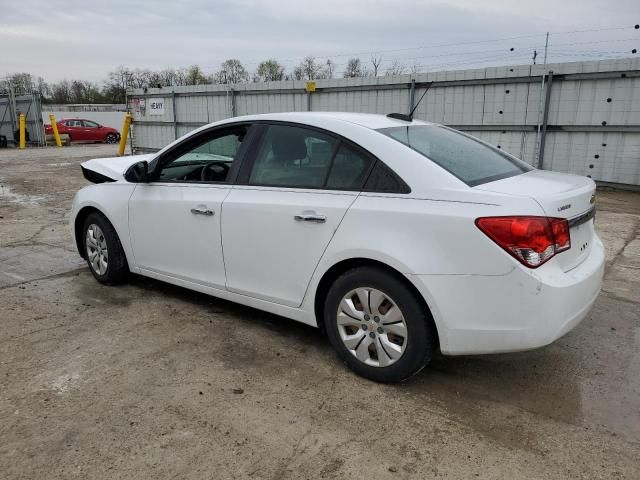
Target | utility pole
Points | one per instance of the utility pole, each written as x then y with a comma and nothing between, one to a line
546,48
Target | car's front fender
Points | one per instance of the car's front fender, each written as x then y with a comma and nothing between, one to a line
112,200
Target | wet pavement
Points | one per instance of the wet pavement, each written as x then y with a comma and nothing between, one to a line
148,380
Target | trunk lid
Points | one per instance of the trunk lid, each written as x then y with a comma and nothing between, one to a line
112,168
561,196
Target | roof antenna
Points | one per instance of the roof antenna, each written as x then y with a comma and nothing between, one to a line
409,118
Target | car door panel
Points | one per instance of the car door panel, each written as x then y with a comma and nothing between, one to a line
268,253
175,230
174,219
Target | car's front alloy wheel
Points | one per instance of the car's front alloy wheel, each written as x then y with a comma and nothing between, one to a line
111,138
378,325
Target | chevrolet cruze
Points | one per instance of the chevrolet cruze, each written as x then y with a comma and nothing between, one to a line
396,236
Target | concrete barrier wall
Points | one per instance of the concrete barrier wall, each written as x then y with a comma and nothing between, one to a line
592,110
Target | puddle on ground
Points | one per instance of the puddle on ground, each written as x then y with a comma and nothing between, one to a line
7,194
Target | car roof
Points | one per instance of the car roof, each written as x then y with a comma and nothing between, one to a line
367,120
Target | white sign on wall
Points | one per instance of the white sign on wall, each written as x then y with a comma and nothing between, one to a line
156,106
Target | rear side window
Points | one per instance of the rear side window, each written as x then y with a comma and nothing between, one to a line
463,156
349,169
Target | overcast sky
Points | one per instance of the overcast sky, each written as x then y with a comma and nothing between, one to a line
86,39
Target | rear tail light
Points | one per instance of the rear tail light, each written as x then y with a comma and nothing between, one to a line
531,240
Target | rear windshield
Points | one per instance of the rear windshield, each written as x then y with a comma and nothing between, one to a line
467,158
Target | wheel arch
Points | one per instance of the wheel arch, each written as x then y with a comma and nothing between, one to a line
78,224
332,273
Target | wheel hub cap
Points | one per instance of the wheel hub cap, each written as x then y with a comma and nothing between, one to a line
372,327
97,251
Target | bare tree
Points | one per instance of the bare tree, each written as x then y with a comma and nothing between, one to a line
375,63
269,71
353,69
396,68
22,82
195,76
231,71
309,69
330,68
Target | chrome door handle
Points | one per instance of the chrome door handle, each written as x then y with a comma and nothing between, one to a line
202,211
310,218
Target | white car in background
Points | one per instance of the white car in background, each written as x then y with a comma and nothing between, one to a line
399,237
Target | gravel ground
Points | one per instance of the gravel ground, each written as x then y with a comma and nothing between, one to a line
148,380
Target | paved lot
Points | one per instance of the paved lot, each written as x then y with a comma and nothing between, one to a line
149,380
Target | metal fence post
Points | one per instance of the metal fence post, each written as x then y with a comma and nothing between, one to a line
175,115
233,103
545,119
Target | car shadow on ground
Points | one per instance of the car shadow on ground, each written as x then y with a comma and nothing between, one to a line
541,382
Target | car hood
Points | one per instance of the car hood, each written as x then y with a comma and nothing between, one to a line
111,169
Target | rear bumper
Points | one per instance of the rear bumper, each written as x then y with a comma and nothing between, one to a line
521,310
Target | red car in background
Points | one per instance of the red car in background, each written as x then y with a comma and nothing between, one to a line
80,130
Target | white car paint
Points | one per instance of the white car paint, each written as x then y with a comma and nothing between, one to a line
251,251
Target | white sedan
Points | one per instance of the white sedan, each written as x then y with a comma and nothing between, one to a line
398,237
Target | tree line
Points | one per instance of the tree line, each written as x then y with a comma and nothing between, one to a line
231,71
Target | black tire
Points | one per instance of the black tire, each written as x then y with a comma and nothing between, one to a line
117,269
111,138
421,335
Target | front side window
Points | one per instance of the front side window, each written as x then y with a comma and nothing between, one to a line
209,160
293,157
463,156
90,124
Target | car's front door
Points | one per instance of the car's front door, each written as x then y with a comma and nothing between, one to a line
91,131
278,222
174,220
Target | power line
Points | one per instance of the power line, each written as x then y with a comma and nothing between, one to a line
442,45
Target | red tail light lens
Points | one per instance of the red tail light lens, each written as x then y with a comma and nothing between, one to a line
531,240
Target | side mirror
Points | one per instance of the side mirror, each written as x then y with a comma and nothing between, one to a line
137,173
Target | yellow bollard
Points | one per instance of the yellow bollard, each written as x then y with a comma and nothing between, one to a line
56,135
124,134
22,132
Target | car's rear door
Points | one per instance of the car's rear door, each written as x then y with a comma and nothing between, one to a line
174,220
287,204
76,130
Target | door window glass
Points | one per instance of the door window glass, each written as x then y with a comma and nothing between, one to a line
90,124
293,157
208,161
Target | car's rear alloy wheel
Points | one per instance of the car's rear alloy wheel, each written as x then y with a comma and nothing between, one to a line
372,327
97,250
111,138
378,325
103,250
